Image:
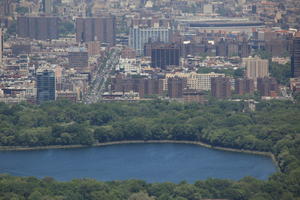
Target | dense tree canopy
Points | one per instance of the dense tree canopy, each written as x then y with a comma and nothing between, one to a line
273,127
236,73
282,72
66,27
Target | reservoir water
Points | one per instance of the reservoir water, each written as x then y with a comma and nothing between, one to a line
149,162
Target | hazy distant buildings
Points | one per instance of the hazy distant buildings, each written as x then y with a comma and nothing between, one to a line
127,52
78,58
48,6
139,36
6,7
194,96
18,49
176,86
196,81
244,49
164,55
143,86
208,9
45,81
94,48
217,24
221,48
267,86
39,28
244,86
66,95
220,87
256,67
232,49
229,48
296,56
1,46
96,29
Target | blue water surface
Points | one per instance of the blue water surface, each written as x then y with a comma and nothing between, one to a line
149,162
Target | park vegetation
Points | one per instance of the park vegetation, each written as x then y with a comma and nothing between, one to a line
274,127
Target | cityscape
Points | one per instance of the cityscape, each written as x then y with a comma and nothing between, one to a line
137,50
221,74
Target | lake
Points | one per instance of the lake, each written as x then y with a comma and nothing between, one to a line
149,162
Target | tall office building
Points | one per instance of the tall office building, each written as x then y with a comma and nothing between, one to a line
221,87
256,67
101,29
163,55
139,36
46,86
39,28
296,56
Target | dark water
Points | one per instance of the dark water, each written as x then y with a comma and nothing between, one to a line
150,162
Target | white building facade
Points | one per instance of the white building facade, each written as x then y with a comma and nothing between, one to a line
138,37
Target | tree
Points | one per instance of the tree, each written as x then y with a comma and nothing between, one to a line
187,191
103,133
66,27
282,73
36,195
22,10
140,196
12,28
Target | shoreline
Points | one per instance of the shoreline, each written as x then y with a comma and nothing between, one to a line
22,148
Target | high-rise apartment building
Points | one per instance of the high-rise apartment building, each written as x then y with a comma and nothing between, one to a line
244,49
6,7
232,49
221,48
196,81
244,86
221,87
101,29
48,6
39,28
176,86
139,36
141,85
296,56
163,55
45,82
267,86
256,67
153,86
227,48
78,58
